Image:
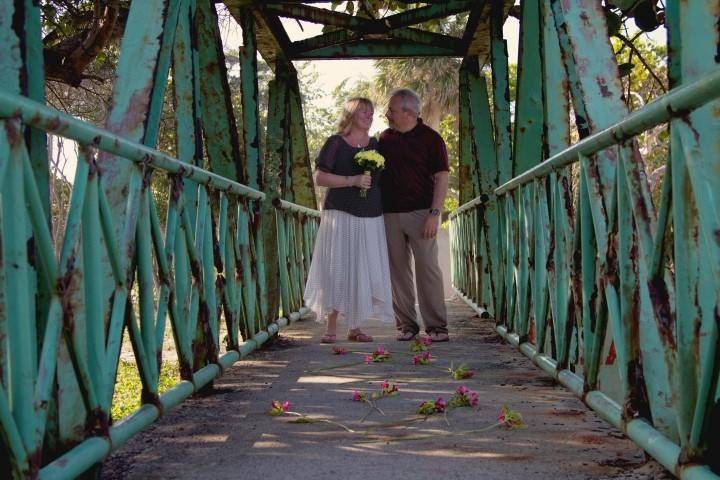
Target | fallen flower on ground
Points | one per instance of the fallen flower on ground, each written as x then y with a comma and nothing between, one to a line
379,355
420,345
278,408
359,396
464,397
387,388
511,419
430,407
339,351
461,372
423,359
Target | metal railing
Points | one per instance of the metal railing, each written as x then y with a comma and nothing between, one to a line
599,281
201,271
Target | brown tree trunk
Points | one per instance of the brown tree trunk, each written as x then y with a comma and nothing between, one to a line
432,114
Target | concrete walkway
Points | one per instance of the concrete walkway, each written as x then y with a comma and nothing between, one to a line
229,435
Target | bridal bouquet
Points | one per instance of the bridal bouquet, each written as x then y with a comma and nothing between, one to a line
370,161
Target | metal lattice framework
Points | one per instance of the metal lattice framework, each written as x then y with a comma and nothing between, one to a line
614,295
562,244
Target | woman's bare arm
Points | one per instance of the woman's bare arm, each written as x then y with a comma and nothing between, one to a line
330,180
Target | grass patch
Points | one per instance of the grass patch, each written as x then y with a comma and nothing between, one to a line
128,386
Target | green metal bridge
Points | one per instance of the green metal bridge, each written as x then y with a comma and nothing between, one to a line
562,243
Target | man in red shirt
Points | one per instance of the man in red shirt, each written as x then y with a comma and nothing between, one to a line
414,184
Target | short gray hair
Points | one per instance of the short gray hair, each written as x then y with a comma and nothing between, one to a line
409,100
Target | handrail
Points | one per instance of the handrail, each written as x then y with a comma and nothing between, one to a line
293,207
676,102
51,120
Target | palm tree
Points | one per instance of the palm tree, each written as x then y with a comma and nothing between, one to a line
434,79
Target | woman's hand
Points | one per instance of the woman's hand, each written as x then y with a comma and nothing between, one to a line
362,181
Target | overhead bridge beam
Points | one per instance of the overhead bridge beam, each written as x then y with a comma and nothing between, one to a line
379,25
378,49
416,38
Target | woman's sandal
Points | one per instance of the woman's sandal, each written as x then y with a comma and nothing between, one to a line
359,337
328,338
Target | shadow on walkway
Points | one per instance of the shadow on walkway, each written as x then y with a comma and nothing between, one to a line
228,435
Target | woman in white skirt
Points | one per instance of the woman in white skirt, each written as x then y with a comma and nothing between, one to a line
349,275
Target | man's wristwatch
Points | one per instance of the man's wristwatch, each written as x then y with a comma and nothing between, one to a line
434,212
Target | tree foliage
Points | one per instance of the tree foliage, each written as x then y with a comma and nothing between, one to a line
78,34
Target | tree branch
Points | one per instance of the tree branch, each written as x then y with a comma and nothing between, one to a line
632,47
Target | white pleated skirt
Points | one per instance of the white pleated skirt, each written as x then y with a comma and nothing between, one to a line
350,272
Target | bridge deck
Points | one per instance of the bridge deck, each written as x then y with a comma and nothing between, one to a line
228,435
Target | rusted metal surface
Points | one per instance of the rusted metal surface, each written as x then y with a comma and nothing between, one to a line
628,313
593,277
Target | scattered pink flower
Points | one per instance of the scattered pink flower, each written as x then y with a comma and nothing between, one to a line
387,388
379,355
464,397
429,407
510,419
423,359
359,396
339,351
426,408
461,373
277,408
418,345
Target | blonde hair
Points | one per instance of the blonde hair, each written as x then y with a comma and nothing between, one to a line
349,110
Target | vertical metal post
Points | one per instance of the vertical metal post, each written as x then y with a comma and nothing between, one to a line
254,165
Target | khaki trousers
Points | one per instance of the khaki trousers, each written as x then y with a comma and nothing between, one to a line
404,235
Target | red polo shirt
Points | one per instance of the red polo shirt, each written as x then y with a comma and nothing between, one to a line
411,161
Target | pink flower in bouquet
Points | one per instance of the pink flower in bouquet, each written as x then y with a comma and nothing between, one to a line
462,390
427,341
426,356
440,405
368,359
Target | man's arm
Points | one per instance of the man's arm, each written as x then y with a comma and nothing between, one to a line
439,192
